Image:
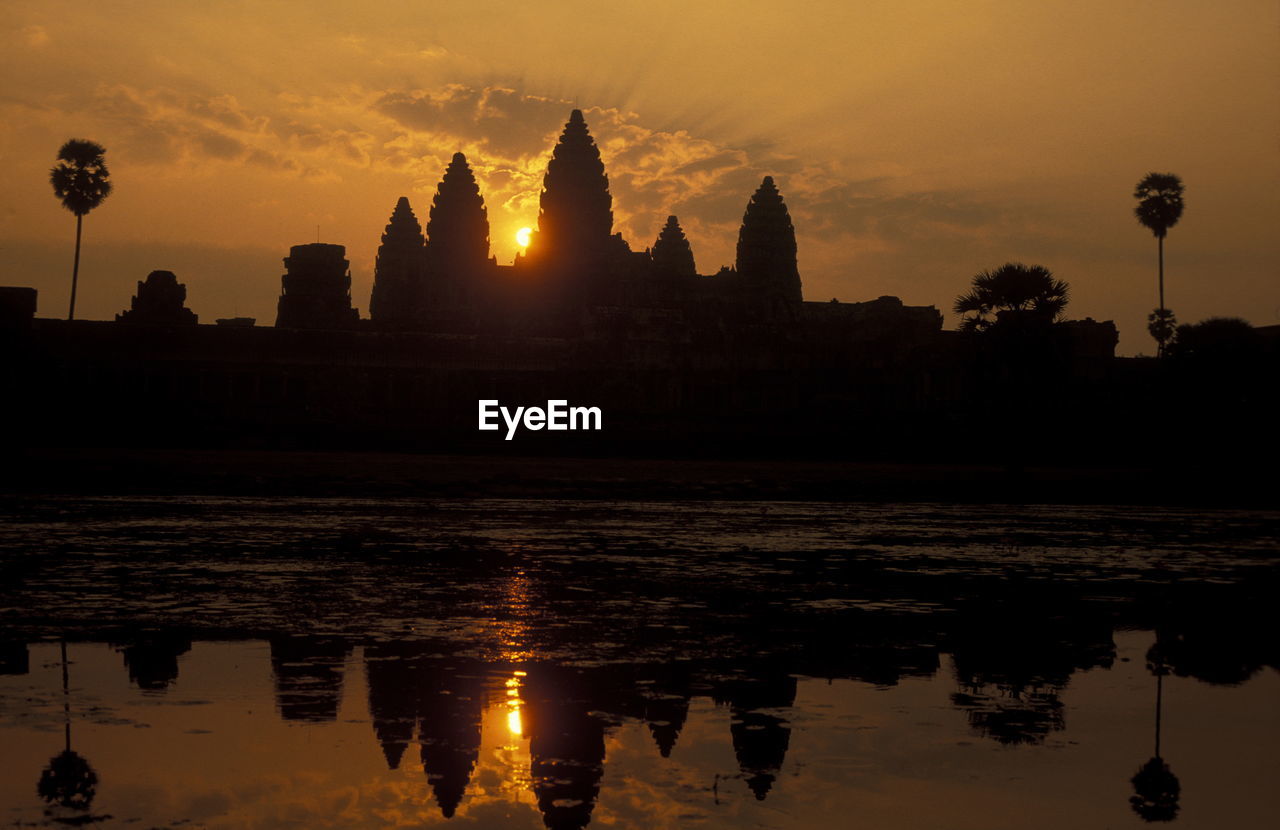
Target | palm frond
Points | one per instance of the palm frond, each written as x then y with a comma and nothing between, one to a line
1012,287
1160,202
80,178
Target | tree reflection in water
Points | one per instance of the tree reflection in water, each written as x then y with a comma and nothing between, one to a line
1155,787
69,781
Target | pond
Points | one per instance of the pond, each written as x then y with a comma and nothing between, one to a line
223,662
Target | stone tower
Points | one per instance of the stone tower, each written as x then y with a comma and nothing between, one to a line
398,277
317,289
766,263
672,253
160,301
575,220
457,249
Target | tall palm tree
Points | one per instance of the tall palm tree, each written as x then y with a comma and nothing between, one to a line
80,179
1159,208
1029,289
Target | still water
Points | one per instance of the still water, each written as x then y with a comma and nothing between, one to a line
230,663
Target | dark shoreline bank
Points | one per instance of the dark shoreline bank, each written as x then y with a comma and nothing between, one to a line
132,471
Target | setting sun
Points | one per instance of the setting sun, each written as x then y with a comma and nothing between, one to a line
522,237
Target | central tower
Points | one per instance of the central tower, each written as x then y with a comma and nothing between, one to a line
575,217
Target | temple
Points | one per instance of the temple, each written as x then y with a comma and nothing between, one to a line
398,276
671,355
160,301
672,253
579,279
317,289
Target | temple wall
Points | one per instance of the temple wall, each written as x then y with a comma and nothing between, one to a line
777,391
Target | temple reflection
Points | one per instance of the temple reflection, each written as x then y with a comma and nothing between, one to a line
152,659
566,744
14,657
393,707
471,719
760,734
450,712
308,672
1012,660
666,697
417,694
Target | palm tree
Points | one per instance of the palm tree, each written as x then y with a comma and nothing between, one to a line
1159,207
80,179
1162,325
1027,290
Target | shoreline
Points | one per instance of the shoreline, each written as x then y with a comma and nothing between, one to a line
241,472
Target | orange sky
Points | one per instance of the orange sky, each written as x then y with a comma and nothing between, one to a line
915,142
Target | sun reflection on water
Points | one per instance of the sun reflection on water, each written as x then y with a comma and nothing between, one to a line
512,618
515,724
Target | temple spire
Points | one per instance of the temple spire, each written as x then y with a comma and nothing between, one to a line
457,250
767,245
458,227
672,252
398,271
575,220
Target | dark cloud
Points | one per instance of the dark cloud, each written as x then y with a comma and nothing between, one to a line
498,120
218,145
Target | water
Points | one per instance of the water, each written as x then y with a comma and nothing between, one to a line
500,663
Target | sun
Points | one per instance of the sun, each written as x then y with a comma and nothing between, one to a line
522,237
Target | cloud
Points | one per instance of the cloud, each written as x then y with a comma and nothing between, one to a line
35,37
859,235
508,137
654,172
354,135
496,120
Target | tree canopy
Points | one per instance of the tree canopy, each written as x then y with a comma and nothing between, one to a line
1159,198
1013,287
80,178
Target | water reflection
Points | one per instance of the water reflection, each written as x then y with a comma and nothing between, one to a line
308,674
1156,788
609,686
557,725
515,720
15,658
152,658
69,781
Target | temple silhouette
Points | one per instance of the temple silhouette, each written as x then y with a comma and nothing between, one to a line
670,355
578,279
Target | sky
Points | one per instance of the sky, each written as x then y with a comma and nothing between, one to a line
916,142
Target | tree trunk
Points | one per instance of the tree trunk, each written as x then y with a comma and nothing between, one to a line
75,269
1161,246
1159,701
66,698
